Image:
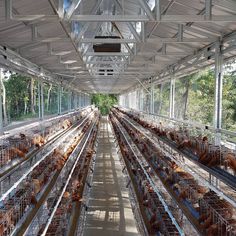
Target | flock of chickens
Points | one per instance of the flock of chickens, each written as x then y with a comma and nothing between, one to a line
215,217
208,154
25,197
72,197
153,212
20,145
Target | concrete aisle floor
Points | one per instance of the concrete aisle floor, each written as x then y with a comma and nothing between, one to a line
109,212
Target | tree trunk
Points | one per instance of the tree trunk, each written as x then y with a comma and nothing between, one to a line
49,97
25,106
4,101
32,97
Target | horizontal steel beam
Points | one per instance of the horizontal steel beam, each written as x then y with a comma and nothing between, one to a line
36,40
129,18
164,18
53,18
131,72
176,40
13,61
106,40
150,40
166,54
105,62
105,18
107,54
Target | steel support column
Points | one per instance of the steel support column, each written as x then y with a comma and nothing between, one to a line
85,100
42,100
152,97
39,99
59,100
218,101
142,99
218,92
69,100
75,101
80,100
172,97
1,113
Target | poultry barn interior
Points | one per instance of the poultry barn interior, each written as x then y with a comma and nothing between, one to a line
158,158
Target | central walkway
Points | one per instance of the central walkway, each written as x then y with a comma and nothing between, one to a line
109,212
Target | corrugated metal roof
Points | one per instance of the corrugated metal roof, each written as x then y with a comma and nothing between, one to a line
54,44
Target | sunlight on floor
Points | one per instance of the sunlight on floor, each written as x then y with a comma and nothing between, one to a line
109,211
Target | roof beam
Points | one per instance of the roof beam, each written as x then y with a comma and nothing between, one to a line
208,9
131,72
197,18
60,11
8,9
180,32
14,61
129,24
108,18
158,10
134,32
180,39
51,18
74,5
107,54
106,40
129,18
147,9
105,62
226,4
86,26
164,18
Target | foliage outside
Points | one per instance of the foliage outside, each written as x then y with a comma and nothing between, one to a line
22,98
104,102
194,98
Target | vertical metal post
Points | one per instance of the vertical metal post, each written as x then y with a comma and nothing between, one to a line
58,100
1,113
75,101
60,97
152,97
8,9
79,100
42,101
172,97
218,100
82,100
39,99
69,101
218,93
61,8
137,99
143,31
89,100
208,9
142,99
158,10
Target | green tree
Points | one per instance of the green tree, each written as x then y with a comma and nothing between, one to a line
18,95
104,102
